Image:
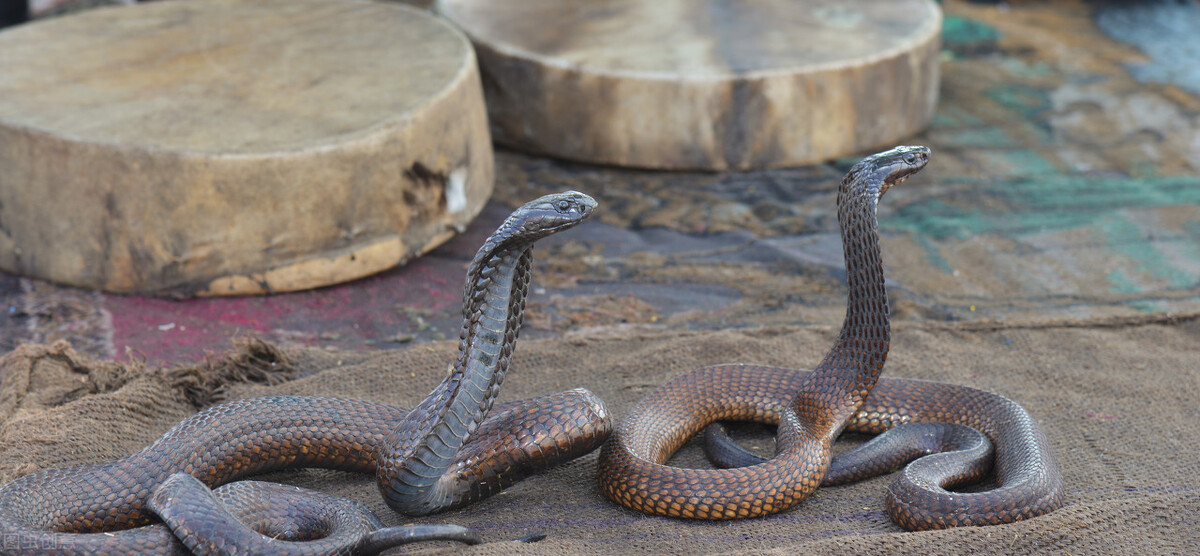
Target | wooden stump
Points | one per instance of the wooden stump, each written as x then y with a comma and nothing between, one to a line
215,147
709,84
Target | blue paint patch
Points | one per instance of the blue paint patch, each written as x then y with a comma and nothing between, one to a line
1167,32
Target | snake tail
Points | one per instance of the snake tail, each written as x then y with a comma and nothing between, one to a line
253,517
632,464
447,451
966,453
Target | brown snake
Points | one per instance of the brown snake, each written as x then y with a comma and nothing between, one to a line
811,409
446,452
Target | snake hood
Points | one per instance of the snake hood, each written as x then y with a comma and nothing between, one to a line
888,168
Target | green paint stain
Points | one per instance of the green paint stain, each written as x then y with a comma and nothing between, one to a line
940,119
1023,98
937,220
1019,68
1123,237
1191,250
1032,204
1038,130
1192,227
954,116
961,31
1122,283
975,137
933,254
1014,164
1103,195
1148,306
1028,162
1143,169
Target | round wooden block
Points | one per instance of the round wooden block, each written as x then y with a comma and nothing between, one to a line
708,84
214,147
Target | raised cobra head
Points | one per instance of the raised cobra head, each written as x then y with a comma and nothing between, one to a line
555,212
535,220
546,215
880,171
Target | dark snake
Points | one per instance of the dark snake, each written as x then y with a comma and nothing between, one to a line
454,448
810,410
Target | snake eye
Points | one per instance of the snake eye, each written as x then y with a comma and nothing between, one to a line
563,205
910,158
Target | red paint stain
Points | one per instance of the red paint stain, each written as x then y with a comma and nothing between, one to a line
355,315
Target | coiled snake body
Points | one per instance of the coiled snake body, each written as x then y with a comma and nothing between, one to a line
446,452
811,409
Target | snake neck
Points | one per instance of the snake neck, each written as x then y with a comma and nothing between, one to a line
493,304
492,312
857,357
413,462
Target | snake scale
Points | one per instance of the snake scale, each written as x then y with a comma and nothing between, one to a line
452,449
810,409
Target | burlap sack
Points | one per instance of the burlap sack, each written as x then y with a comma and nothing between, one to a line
1116,398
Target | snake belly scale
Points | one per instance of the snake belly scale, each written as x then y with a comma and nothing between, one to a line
452,449
810,409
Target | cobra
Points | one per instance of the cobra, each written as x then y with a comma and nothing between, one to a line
452,449
810,409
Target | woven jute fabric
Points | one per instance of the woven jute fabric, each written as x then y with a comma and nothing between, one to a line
1116,398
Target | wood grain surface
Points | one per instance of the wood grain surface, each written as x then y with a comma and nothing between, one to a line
707,84
223,147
